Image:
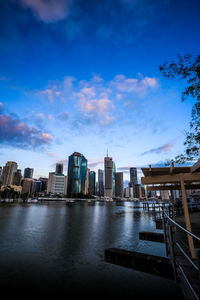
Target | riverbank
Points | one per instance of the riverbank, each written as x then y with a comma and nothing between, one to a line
55,199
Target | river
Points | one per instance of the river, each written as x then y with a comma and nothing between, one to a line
53,247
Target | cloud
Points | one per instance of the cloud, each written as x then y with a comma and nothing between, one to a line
1,107
50,154
133,85
92,163
63,116
100,107
124,169
4,78
98,101
161,149
16,133
48,11
57,90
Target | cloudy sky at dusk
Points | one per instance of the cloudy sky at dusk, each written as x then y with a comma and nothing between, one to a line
83,75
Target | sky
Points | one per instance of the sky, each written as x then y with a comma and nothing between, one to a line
83,75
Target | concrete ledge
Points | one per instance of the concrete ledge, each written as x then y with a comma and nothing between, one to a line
155,265
151,236
159,224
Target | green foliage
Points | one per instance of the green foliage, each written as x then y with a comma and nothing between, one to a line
187,68
10,193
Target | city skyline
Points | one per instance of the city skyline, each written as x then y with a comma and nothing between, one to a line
82,77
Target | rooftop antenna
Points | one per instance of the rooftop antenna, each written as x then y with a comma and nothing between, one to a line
107,152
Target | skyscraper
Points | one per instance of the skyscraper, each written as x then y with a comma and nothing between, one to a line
27,184
59,169
28,173
8,172
134,181
133,175
113,179
77,174
108,172
119,184
44,183
100,183
87,185
92,182
17,177
57,182
83,175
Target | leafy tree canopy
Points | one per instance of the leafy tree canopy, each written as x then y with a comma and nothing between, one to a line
187,68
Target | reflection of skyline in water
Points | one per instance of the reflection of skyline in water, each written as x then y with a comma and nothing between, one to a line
63,245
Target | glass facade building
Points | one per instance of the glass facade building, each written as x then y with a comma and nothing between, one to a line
119,184
113,178
59,169
92,182
28,173
77,174
100,183
133,175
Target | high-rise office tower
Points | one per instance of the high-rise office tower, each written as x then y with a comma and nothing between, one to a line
83,175
57,184
100,183
77,174
27,184
17,177
0,172
119,184
28,173
8,172
108,173
88,178
133,175
59,169
36,186
113,179
92,182
44,183
134,181
49,184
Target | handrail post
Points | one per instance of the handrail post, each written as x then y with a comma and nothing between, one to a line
164,232
187,216
172,253
197,253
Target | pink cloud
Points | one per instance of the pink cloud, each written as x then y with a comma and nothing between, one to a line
48,11
128,85
165,148
100,107
92,162
16,133
57,90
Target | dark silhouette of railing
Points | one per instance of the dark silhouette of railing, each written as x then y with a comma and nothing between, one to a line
186,269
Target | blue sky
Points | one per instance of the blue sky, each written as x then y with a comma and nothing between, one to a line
84,76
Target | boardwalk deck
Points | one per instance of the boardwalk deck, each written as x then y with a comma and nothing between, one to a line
183,264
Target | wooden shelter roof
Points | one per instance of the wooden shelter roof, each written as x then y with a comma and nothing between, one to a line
171,175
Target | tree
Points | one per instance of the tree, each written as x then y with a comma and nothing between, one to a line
187,68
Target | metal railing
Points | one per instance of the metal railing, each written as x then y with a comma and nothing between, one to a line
175,250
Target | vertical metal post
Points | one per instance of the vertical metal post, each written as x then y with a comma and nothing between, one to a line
164,233
173,208
187,217
172,254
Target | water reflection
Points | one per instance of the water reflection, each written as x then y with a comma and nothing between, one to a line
46,246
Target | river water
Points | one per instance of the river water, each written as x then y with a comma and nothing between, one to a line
56,247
